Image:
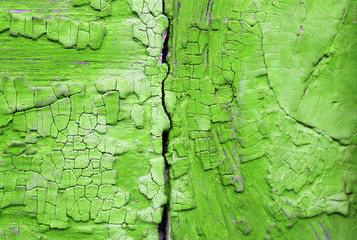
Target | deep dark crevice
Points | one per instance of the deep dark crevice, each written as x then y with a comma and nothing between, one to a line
164,225
165,49
163,234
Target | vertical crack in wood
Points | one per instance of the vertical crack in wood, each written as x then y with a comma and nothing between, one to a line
164,226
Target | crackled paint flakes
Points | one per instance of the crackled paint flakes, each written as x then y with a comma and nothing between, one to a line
177,119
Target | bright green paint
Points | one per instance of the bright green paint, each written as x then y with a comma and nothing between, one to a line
261,99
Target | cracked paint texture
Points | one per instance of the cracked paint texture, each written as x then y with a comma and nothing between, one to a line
258,99
81,122
262,97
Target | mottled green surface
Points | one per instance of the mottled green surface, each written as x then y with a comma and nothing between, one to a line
258,99
81,121
262,97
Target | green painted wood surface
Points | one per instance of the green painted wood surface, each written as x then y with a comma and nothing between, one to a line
262,97
244,129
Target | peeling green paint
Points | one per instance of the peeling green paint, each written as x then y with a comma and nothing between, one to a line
177,119
264,126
